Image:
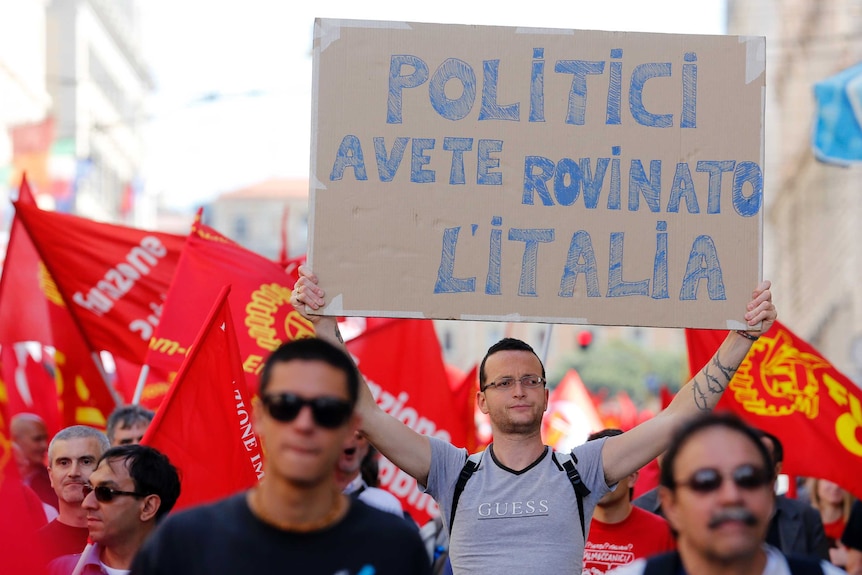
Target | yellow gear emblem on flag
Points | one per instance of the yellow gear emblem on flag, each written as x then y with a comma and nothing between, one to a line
785,383
265,304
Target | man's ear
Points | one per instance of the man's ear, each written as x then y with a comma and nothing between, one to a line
667,500
151,506
480,401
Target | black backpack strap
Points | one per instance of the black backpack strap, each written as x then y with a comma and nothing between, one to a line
663,564
470,466
804,565
567,461
358,492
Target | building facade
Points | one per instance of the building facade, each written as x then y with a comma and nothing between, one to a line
98,84
812,209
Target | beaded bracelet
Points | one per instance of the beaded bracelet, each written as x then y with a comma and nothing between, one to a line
747,335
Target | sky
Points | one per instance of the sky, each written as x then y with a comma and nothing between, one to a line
232,105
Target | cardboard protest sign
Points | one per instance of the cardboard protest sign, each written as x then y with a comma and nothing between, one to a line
520,174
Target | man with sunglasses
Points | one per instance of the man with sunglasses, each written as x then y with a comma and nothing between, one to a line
296,519
522,491
131,489
716,490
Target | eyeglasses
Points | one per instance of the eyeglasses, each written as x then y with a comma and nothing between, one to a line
329,412
527,382
745,476
106,494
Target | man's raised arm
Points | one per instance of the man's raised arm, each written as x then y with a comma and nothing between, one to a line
404,447
626,453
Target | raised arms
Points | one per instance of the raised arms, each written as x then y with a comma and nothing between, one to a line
626,453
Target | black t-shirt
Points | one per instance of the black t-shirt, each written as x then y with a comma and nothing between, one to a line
225,537
852,536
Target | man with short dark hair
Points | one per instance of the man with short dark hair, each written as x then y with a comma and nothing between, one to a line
128,423
72,457
796,527
296,519
131,489
519,491
716,490
620,532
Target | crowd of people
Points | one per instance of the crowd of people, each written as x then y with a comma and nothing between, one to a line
516,507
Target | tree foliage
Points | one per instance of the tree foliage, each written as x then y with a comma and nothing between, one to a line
618,365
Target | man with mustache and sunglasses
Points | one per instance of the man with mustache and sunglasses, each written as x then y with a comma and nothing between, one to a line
296,520
519,490
716,490
132,487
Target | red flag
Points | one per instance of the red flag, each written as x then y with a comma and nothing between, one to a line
464,394
82,387
30,386
628,410
20,509
204,425
32,309
786,387
260,304
667,395
114,278
571,415
403,364
23,315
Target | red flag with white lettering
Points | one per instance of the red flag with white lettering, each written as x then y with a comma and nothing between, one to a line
786,387
204,424
114,278
403,365
260,304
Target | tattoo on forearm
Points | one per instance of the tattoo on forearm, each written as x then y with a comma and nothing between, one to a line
717,377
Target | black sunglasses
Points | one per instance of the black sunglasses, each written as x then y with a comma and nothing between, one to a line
745,476
106,494
329,412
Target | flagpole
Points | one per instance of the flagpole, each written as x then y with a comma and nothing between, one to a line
98,361
139,387
546,344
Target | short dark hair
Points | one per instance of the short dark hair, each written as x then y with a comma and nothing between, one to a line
506,344
152,472
127,416
777,447
312,349
687,432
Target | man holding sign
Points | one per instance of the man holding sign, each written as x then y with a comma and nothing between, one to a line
520,478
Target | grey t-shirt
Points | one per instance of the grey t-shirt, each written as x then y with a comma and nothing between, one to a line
512,522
